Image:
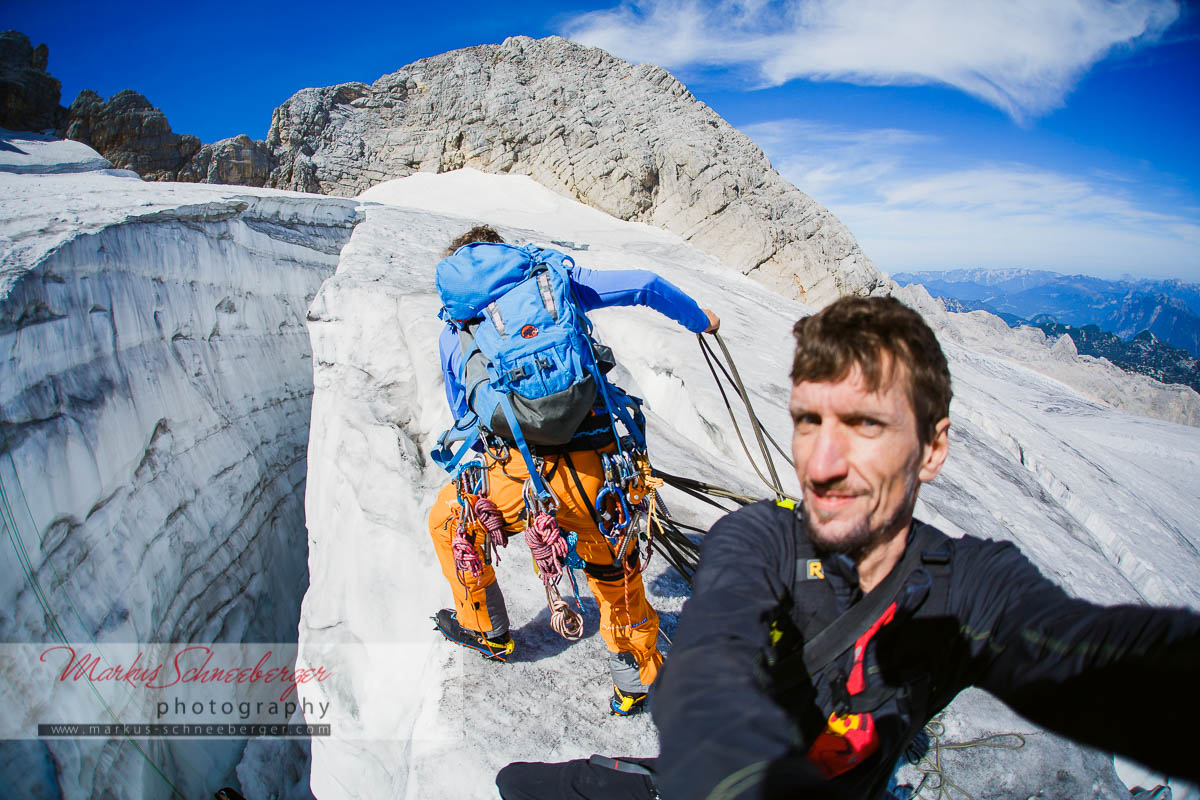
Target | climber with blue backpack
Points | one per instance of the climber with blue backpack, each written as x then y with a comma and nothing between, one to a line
543,443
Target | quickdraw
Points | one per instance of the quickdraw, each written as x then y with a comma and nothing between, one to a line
628,506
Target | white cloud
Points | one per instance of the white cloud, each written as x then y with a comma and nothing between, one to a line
914,214
1022,56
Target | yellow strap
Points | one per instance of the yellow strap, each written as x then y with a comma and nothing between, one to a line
787,503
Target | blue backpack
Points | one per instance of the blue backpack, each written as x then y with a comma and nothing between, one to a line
530,370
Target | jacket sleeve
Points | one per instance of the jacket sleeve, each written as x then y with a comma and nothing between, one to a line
451,355
720,734
637,287
1122,678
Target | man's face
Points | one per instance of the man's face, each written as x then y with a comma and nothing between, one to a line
859,460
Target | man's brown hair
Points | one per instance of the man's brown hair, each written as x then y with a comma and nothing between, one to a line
480,233
878,334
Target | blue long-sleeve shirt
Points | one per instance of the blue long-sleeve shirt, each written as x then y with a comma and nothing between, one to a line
593,289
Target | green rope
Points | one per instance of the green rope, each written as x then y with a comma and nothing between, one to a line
9,521
934,773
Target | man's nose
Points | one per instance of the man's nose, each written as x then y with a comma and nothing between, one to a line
828,459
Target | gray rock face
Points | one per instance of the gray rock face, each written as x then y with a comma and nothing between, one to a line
28,95
629,140
238,160
131,133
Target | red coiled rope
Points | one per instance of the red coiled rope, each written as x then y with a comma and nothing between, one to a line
466,558
493,522
547,545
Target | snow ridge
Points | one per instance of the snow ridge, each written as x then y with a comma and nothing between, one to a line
163,407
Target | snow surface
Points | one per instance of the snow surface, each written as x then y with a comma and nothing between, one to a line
1103,502
24,153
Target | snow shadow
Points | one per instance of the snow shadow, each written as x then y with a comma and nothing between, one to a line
669,583
536,640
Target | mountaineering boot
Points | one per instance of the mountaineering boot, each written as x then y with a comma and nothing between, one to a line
496,648
625,704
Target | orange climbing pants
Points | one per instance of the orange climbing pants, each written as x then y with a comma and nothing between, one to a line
627,622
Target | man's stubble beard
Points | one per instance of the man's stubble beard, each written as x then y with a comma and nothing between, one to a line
861,539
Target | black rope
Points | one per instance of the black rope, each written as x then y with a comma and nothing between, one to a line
773,485
676,549
582,491
760,434
697,488
732,382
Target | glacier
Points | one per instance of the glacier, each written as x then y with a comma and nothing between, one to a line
217,406
154,408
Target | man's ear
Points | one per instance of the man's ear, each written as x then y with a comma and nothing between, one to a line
933,454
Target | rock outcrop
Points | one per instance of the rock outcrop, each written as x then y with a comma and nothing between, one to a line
629,140
131,133
28,94
238,160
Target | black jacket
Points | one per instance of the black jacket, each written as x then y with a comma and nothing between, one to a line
735,714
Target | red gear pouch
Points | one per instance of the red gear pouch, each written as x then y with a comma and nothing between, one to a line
849,739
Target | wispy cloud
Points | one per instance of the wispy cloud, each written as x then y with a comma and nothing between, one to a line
1022,56
910,211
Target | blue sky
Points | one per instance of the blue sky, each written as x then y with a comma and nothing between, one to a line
1053,134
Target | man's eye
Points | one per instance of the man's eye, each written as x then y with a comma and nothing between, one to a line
805,420
868,423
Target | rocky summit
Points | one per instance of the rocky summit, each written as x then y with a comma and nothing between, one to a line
28,94
627,139
131,133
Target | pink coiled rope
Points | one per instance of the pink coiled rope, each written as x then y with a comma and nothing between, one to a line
547,545
466,557
564,620
493,522
482,513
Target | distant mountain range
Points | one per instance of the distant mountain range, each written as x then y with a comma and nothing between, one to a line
1146,326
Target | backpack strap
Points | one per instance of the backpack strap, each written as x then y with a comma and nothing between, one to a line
494,312
618,404
841,634
547,293
620,765
535,475
454,462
